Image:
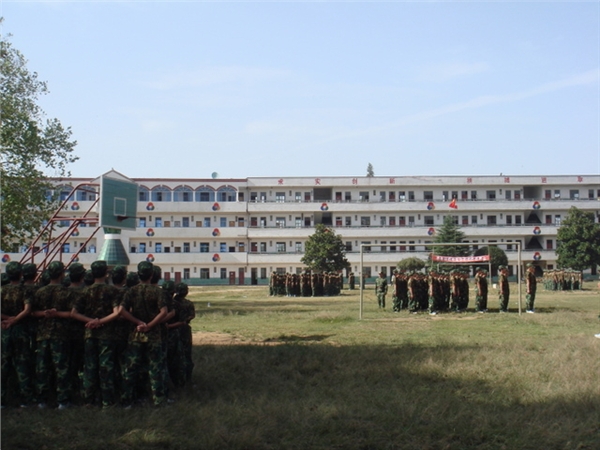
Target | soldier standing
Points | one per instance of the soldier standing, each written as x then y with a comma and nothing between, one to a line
482,291
504,293
531,288
381,288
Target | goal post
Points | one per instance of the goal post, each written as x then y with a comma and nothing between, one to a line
462,244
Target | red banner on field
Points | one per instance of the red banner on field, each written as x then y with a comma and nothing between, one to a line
460,259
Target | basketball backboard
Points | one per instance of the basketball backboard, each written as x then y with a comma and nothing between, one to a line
118,203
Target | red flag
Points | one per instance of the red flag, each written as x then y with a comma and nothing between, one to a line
453,204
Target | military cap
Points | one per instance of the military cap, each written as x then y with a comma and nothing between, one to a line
169,286
66,281
119,273
76,272
156,273
45,279
14,270
145,270
88,278
56,269
181,289
501,267
29,271
132,279
99,268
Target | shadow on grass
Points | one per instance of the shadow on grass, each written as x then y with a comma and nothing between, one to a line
297,396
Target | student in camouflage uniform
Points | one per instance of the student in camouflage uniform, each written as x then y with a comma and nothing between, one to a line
531,288
16,345
29,289
381,288
188,313
144,305
175,358
76,273
98,307
52,306
503,288
482,291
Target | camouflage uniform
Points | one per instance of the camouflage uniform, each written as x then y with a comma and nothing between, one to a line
482,291
16,345
504,290
381,288
53,343
531,288
144,350
99,372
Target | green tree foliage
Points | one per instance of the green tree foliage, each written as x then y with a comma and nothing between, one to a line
449,233
578,239
497,256
324,251
411,264
31,146
370,171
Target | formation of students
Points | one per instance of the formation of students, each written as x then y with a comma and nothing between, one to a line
93,337
306,284
562,280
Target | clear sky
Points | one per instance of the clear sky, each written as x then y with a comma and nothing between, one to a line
185,89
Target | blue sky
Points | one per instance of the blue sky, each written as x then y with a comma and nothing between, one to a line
185,89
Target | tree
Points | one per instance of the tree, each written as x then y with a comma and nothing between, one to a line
449,233
411,264
497,256
30,144
370,172
324,251
578,239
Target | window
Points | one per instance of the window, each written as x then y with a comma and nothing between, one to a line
444,195
548,194
557,220
160,194
263,197
455,220
427,195
263,222
473,220
411,221
392,196
464,195
142,247
263,273
549,244
142,222
280,197
298,222
473,195
348,246
204,274
207,222
223,247
363,196
367,247
518,220
382,196
298,196
574,194
177,223
158,247
347,196
222,222
392,247
428,220
491,220
263,247
382,221
186,247
185,222
365,221
158,223
402,196
223,273
508,194
204,196
143,195
590,194
298,247
66,248
253,196
280,247
548,219
392,222
490,195
465,220
182,194
411,196
508,219
402,221
338,221
204,247
348,221
517,195
280,222
557,193
186,274
383,247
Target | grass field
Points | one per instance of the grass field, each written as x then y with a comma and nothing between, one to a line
301,373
